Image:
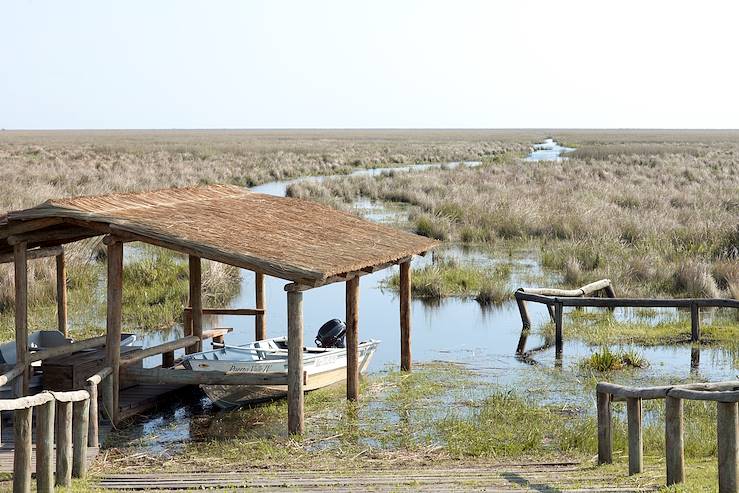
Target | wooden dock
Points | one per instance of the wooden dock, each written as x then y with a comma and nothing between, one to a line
539,477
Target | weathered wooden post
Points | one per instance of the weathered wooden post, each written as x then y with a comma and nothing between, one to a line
352,339
168,359
80,423
405,316
23,450
108,396
61,294
21,317
196,301
114,321
260,320
295,422
605,434
524,311
695,323
674,445
558,337
64,444
45,447
636,447
93,439
727,430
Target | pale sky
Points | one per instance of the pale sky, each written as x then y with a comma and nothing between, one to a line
386,64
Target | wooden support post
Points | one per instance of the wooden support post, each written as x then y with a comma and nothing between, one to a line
45,447
93,439
80,424
727,429
295,423
695,357
21,318
61,294
114,322
524,311
196,301
64,444
605,434
558,336
405,316
695,323
549,309
260,320
352,339
674,445
636,447
23,448
610,292
168,359
107,384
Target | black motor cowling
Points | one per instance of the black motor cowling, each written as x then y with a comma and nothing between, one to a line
331,334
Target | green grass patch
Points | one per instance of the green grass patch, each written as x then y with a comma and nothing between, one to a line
605,360
446,277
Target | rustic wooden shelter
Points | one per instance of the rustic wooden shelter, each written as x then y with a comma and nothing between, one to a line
305,243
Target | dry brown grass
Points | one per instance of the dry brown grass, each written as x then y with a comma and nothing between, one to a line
36,166
640,217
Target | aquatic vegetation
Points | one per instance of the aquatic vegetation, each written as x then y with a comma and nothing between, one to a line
605,360
446,277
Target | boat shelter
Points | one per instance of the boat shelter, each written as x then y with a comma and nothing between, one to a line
303,242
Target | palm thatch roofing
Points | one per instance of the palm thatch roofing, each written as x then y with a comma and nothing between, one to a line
293,239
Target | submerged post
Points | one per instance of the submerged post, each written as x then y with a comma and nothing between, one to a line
61,294
260,327
114,321
405,316
727,427
196,301
21,317
674,444
295,423
352,339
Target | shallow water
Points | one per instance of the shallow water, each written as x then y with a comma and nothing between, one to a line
456,330
549,150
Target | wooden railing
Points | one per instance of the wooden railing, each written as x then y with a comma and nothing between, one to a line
187,321
556,299
76,415
726,396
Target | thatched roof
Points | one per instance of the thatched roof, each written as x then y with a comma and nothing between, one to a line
293,239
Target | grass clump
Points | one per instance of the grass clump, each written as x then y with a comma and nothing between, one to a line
605,360
447,277
431,227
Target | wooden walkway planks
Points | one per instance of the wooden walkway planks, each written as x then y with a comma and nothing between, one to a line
520,478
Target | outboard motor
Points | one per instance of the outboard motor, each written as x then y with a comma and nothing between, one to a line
331,334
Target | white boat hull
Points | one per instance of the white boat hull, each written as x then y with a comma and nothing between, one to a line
322,367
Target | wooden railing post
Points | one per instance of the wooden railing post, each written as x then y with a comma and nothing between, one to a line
23,447
64,444
45,447
93,439
674,445
196,301
80,423
727,424
634,421
695,322
605,434
108,397
558,336
21,318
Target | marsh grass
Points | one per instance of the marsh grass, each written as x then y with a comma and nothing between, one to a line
447,277
605,360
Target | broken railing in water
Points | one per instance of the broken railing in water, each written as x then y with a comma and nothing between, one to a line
556,299
726,396
76,416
